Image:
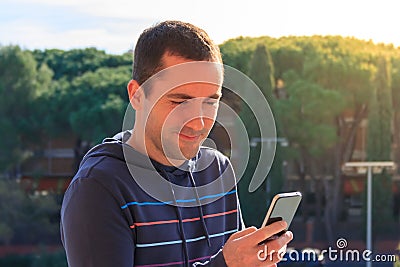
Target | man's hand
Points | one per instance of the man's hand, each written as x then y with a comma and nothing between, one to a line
244,249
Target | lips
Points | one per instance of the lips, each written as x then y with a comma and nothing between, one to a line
189,137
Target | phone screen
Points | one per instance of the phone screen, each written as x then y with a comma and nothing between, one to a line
283,207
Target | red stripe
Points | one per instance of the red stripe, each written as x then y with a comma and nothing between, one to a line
172,263
185,220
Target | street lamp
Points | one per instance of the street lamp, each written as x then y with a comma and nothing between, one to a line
281,140
370,166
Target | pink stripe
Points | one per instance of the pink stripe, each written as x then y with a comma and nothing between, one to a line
185,220
172,263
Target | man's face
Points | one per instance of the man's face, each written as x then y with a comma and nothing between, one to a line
179,118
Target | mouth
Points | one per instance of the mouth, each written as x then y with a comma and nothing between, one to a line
191,138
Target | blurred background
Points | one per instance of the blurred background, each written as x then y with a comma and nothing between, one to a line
330,71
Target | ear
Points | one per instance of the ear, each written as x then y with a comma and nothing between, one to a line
136,95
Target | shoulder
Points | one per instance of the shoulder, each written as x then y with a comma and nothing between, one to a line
101,175
100,166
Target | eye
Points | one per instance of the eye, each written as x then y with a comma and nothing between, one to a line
211,102
178,102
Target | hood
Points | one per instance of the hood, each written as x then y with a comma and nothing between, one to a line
117,148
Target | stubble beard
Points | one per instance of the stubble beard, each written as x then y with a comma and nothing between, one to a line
175,149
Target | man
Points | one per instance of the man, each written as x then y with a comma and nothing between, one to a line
154,196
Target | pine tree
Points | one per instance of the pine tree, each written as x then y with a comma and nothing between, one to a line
261,71
379,146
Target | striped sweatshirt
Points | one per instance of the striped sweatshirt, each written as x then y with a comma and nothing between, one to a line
124,209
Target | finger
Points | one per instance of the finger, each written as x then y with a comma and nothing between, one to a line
244,232
273,257
265,232
269,260
282,251
277,244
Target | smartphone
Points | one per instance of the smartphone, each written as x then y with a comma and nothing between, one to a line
283,207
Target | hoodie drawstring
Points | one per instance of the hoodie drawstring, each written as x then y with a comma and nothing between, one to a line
203,222
178,211
179,215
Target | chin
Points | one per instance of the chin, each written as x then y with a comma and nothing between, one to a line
190,153
182,154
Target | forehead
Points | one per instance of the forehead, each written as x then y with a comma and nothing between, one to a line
194,90
195,78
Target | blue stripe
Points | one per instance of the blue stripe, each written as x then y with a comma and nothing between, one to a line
145,203
158,244
146,245
224,233
178,200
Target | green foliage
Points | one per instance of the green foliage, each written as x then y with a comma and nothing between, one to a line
379,144
54,93
396,107
26,219
380,115
396,84
323,76
236,53
261,71
308,115
345,74
21,82
73,63
288,58
95,103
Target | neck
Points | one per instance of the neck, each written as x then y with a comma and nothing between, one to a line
148,149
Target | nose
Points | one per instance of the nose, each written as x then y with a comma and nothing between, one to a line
196,124
195,119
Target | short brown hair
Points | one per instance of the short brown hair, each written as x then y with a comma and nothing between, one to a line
175,37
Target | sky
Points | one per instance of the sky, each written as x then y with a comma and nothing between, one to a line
115,25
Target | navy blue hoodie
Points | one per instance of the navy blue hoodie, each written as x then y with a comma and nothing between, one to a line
123,209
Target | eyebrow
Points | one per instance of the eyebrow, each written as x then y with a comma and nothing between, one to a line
186,96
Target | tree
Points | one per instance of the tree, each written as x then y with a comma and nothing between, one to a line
21,82
339,67
307,117
95,103
261,71
333,63
73,63
237,52
379,145
396,107
31,219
